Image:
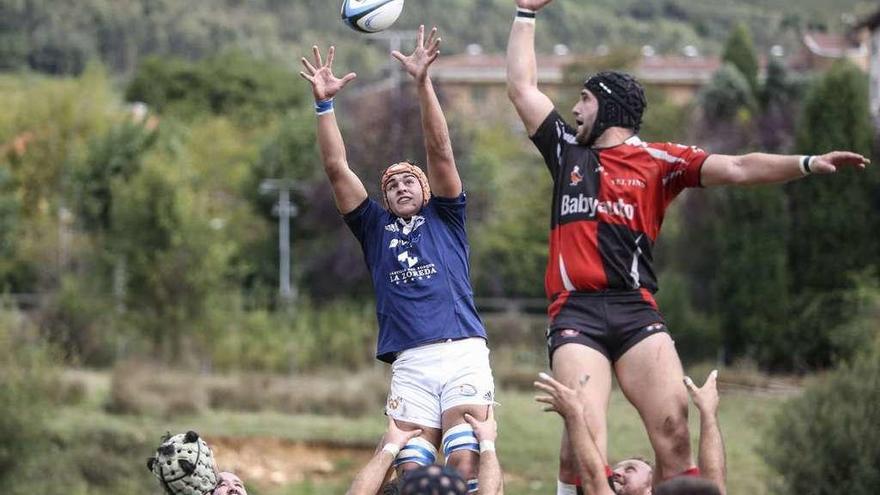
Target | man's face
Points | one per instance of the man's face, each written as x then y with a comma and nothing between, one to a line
585,115
229,485
633,477
404,194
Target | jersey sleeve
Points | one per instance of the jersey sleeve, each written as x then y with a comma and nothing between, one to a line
551,138
365,222
681,167
451,210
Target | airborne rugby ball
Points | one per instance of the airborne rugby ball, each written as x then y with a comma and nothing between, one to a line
371,16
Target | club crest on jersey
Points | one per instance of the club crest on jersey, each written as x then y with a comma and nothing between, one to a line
576,176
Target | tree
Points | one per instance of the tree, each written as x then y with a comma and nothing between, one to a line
833,219
739,51
826,441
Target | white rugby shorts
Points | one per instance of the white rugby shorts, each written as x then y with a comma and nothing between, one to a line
428,380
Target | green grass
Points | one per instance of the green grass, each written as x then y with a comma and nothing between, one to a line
528,437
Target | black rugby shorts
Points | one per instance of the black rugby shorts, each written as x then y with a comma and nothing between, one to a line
611,322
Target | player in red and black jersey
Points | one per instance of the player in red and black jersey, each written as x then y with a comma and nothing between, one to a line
609,196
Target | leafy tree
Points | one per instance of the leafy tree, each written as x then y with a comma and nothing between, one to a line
827,441
727,97
739,51
832,216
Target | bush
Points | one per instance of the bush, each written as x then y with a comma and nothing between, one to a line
827,441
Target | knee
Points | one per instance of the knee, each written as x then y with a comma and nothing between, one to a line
465,462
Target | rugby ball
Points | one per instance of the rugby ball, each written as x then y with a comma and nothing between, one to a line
371,16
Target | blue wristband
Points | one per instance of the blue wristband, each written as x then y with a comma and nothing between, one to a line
324,106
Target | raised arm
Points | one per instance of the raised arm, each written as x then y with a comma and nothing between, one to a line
442,173
564,401
531,104
491,479
713,465
348,190
763,168
369,479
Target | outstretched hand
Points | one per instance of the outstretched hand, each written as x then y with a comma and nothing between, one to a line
532,4
705,397
484,430
324,84
561,399
396,436
828,163
425,53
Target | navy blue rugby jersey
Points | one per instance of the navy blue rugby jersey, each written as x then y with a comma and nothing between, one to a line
420,273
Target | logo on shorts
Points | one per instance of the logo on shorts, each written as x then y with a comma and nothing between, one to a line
489,396
569,333
468,390
394,403
654,327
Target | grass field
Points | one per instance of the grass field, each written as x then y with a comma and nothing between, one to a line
282,454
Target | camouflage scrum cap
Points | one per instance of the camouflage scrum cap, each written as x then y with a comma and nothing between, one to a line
184,465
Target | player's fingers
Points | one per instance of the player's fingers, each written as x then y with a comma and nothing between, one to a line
550,409
713,376
551,381
348,77
433,57
330,56
490,413
420,38
545,388
308,65
307,77
690,384
399,56
317,53
431,37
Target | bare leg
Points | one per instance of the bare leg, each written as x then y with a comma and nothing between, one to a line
650,376
430,434
573,365
466,462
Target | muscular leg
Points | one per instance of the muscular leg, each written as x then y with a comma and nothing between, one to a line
571,364
466,462
650,376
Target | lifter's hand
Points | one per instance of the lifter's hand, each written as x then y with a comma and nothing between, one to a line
324,84
532,4
425,53
561,399
484,430
394,435
705,397
829,162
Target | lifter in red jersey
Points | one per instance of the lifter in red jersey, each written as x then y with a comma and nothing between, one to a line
609,196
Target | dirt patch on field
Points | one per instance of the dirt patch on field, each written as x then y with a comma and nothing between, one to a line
277,462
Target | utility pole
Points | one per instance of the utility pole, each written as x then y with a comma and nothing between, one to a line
285,211
395,41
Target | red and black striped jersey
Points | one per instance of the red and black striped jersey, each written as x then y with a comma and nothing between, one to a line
608,206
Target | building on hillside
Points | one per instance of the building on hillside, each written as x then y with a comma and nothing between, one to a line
476,84
820,50
868,30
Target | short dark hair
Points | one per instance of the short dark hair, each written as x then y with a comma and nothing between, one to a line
687,485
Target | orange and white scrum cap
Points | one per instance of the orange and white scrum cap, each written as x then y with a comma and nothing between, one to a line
405,167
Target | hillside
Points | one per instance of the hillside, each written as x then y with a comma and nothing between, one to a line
61,36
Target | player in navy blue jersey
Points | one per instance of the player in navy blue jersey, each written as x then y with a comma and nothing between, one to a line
416,249
610,192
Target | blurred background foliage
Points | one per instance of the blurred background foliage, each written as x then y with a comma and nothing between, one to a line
135,134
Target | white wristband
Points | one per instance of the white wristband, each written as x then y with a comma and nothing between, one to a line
391,449
524,15
487,446
804,163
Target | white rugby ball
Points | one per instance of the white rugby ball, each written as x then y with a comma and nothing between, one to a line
371,16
